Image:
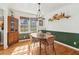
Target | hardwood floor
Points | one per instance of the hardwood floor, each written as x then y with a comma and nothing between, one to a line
22,48
1,47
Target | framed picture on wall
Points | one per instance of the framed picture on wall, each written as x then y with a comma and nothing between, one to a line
40,22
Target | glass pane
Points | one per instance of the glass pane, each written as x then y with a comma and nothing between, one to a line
24,24
12,29
33,24
16,25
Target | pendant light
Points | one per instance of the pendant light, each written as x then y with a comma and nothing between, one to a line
39,14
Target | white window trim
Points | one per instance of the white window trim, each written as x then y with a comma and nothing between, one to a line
29,29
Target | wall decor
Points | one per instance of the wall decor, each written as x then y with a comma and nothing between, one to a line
59,16
40,22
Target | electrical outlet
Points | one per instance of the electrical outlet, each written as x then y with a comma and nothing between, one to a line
75,43
24,36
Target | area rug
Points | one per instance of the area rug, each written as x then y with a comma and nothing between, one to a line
25,50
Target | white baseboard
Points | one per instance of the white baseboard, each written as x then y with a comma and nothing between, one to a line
67,46
23,40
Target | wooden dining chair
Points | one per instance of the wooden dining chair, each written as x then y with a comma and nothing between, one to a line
50,40
34,44
44,44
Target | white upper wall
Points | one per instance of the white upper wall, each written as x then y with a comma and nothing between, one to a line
66,25
33,7
30,9
48,10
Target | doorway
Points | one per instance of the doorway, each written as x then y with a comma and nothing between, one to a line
1,28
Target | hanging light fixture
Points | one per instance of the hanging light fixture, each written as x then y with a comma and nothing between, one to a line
39,14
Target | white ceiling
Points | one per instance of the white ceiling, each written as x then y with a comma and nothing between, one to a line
32,7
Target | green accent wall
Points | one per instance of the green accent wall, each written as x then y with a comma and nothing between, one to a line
66,38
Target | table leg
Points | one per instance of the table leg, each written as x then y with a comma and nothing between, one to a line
54,49
40,47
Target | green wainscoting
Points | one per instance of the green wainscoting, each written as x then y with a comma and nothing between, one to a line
66,38
23,36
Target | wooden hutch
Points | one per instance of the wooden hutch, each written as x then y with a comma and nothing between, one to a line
12,30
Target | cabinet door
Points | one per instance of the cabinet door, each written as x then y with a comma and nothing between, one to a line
10,38
11,24
16,25
15,37
9,20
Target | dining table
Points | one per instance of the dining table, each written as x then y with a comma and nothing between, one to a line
41,38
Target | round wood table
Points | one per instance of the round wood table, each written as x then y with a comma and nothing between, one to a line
40,39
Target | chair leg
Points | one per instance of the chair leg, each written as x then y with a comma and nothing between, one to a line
28,49
34,45
49,49
33,48
45,50
54,49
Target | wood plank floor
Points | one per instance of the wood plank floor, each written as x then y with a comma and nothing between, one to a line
1,47
22,48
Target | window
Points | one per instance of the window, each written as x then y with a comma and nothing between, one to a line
33,24
24,24
28,25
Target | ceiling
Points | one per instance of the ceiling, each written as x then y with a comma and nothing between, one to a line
33,7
